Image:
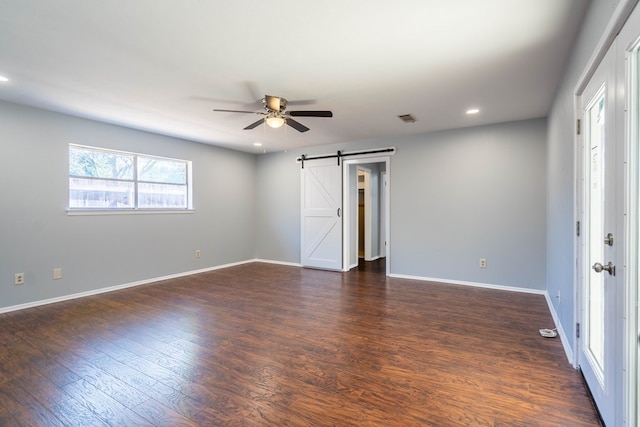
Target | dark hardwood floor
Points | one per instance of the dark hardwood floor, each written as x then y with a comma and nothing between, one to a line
270,345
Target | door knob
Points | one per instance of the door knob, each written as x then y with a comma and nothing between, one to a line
598,268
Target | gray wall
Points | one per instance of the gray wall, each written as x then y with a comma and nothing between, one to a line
467,194
278,207
455,197
561,217
36,234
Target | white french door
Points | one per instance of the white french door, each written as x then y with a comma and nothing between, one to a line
600,355
321,222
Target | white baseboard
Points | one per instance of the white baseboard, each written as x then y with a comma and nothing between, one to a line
561,333
269,261
116,287
474,284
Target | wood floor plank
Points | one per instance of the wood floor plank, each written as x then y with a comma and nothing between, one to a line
25,410
263,344
103,406
162,415
74,413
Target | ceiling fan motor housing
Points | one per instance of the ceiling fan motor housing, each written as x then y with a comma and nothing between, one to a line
274,103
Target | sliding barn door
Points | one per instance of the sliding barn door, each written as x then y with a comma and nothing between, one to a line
321,184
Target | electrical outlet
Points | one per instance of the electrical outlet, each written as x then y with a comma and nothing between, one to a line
483,263
57,273
19,279
197,253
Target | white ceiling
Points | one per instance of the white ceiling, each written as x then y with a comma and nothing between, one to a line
164,65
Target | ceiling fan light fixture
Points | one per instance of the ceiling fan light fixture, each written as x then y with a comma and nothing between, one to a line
275,121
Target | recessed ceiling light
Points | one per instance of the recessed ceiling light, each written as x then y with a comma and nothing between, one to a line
3,79
257,144
473,111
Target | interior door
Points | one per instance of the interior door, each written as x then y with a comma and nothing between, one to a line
321,184
601,318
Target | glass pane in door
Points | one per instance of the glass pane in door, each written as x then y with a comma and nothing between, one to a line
595,284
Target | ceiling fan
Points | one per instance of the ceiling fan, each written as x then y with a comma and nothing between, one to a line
275,115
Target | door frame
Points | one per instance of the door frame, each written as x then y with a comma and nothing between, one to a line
367,212
346,229
628,60
631,363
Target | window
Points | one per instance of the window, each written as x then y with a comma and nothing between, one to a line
107,179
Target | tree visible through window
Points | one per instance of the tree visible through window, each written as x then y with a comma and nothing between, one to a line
107,179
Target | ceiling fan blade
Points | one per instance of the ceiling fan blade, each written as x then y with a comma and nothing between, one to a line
273,102
311,113
297,125
239,111
254,124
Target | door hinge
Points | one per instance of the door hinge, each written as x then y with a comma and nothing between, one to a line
578,228
577,330
578,127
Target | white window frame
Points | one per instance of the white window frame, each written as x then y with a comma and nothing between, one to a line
134,209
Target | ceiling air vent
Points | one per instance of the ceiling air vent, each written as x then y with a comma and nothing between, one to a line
407,118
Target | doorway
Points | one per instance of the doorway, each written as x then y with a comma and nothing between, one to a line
365,206
366,212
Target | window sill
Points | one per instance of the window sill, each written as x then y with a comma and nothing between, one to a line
90,212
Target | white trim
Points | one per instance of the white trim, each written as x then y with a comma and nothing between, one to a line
117,287
473,284
269,261
345,206
630,46
93,212
566,344
367,212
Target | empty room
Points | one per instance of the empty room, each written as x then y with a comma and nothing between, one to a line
286,213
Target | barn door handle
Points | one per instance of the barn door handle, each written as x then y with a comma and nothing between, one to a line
338,212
